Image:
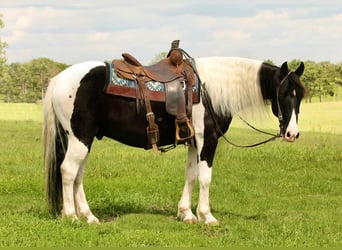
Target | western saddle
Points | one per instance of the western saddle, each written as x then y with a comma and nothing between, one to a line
179,78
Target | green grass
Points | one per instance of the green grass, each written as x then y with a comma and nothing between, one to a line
278,194
20,112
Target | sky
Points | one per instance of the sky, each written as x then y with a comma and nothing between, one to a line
79,30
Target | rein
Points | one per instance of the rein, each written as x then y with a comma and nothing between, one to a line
211,112
206,96
280,114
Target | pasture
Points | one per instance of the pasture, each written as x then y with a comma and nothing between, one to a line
278,194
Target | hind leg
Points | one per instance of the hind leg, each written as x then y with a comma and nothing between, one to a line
75,157
82,207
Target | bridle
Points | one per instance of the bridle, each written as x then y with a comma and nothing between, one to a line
212,115
280,114
206,96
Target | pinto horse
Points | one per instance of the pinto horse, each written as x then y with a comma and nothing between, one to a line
76,110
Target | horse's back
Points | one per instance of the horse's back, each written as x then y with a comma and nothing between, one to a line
72,75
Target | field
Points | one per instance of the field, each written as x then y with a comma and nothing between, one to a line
277,194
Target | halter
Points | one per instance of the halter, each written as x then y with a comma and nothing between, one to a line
280,114
211,111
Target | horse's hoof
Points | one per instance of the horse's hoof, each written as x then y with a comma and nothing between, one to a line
93,220
190,221
212,223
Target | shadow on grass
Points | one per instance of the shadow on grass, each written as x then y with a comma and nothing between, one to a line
110,212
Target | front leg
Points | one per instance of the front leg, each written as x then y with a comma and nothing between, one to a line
206,151
203,208
184,206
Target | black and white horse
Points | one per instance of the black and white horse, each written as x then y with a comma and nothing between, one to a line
76,110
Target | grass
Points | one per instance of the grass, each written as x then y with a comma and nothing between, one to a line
278,194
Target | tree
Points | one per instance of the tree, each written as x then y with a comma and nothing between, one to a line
269,61
27,82
3,59
158,57
3,46
43,69
309,79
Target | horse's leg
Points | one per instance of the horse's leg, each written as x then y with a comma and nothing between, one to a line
206,142
82,207
203,208
75,157
184,206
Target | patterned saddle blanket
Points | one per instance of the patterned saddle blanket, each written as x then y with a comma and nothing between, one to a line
128,88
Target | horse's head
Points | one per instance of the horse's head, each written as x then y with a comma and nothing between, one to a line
285,105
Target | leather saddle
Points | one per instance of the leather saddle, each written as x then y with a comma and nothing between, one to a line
167,70
178,75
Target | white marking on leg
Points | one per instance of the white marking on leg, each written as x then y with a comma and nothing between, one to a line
199,169
75,157
82,207
203,208
184,206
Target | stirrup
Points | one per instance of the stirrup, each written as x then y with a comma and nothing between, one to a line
188,124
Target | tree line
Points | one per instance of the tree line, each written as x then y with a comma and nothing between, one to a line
321,80
27,82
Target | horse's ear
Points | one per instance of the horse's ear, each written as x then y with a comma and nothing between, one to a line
300,69
284,69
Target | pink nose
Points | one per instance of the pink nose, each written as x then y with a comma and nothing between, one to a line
291,137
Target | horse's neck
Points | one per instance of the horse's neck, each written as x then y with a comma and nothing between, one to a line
267,75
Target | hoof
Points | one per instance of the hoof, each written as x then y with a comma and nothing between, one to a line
189,218
208,219
190,221
93,220
212,223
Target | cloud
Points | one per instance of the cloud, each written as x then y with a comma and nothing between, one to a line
88,30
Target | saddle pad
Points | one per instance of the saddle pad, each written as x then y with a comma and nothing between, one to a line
128,88
151,85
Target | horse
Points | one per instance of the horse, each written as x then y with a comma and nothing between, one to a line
76,110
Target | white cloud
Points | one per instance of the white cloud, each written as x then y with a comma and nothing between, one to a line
83,30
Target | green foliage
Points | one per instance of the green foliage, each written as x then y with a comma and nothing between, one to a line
27,82
279,194
3,46
321,79
158,57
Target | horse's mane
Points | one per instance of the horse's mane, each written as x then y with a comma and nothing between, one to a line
233,84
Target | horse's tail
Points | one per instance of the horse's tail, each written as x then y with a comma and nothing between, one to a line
55,143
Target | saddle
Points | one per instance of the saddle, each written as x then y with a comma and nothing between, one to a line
177,75
167,70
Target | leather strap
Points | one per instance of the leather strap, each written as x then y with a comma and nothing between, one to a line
152,128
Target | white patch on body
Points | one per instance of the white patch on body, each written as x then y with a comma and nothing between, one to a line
65,91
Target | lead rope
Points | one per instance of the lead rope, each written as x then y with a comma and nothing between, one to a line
211,111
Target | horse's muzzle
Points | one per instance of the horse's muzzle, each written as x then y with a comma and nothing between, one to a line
290,136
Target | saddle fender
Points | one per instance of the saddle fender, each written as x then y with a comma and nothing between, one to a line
175,99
